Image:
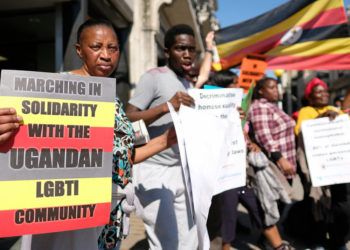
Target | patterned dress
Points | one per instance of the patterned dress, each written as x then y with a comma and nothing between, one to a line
123,152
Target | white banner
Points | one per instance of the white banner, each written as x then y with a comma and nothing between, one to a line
182,150
212,150
206,139
223,103
327,148
219,102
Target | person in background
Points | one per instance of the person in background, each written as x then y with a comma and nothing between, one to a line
223,213
334,220
224,79
98,48
159,181
346,102
317,96
338,101
272,130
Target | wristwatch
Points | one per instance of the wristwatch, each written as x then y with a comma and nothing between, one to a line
210,51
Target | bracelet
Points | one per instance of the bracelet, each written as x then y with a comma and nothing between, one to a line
210,51
275,156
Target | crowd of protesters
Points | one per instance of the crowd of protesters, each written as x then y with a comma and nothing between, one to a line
275,155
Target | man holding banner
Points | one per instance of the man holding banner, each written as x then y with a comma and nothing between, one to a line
159,181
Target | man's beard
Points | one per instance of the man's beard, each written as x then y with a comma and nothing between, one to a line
179,71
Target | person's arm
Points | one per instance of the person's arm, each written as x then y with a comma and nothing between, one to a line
152,114
204,70
148,115
155,145
9,123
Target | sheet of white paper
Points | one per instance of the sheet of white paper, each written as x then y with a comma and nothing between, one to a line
223,103
327,148
182,150
232,173
206,138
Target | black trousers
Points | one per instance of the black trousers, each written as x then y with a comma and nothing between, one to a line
223,212
300,222
340,227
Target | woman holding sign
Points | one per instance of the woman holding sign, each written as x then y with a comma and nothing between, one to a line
98,48
333,216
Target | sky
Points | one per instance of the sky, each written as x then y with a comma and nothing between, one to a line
234,11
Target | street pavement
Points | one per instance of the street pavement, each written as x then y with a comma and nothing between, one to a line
244,240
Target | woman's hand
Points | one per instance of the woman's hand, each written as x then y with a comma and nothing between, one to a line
156,145
253,147
331,114
9,123
170,137
286,166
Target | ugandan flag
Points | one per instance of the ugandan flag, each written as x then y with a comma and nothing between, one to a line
300,34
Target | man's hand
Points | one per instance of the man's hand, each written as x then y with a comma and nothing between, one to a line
181,98
9,122
209,40
241,113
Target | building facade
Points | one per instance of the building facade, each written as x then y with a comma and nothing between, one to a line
39,35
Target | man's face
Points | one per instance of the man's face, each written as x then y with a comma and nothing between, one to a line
181,55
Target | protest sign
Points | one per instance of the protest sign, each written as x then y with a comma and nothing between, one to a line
252,69
56,170
223,103
327,148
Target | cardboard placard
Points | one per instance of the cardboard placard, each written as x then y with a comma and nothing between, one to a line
252,69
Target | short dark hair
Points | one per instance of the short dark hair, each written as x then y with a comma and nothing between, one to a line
223,78
259,85
179,29
93,22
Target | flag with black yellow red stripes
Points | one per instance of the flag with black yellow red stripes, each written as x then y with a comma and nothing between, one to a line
300,34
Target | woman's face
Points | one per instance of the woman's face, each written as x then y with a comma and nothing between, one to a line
319,96
270,91
99,50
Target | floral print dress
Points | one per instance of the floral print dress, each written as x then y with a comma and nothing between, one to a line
123,151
